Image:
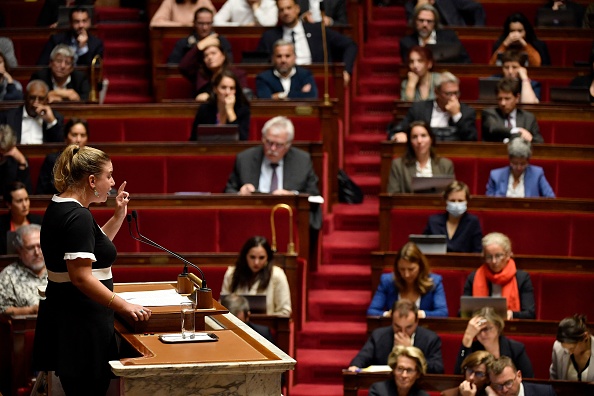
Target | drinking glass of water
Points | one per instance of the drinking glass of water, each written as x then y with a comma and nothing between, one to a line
188,309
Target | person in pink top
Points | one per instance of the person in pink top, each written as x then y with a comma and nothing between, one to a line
179,12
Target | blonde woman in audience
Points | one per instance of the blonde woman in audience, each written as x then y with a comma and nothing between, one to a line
499,277
573,351
476,382
179,12
412,280
484,332
254,273
408,365
421,81
418,160
462,229
519,179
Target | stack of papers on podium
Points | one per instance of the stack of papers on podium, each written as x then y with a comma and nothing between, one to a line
154,298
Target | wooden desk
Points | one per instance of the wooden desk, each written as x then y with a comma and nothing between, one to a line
16,336
241,361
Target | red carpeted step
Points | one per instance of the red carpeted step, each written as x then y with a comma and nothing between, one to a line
382,47
379,86
373,125
363,165
128,86
341,277
364,143
336,335
338,305
114,98
392,13
376,105
127,67
117,31
370,184
126,49
383,29
383,66
362,217
316,390
322,366
349,247
117,14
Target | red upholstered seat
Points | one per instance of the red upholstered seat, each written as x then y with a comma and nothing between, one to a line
571,132
198,174
572,177
123,241
165,129
564,295
144,174
106,130
581,244
178,88
34,168
453,284
306,128
465,170
404,222
539,350
450,347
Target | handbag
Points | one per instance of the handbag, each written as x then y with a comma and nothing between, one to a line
348,190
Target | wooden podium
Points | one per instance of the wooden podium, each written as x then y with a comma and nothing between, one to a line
241,362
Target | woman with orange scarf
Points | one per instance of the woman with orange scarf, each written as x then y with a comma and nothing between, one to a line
499,277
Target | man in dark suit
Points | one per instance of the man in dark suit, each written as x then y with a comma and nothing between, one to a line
308,39
449,119
203,20
276,168
506,121
85,45
285,80
506,380
335,12
426,23
35,122
66,83
405,328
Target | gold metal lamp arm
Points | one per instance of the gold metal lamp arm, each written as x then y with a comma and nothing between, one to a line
291,245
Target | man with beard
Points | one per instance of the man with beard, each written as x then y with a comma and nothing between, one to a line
426,22
285,80
85,45
66,84
19,281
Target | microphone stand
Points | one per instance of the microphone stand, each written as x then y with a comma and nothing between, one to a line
202,296
325,48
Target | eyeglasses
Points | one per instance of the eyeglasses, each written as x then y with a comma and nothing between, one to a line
402,370
60,61
477,374
33,98
487,329
496,257
276,144
449,94
505,385
427,21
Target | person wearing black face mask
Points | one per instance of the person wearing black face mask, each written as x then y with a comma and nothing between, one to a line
462,230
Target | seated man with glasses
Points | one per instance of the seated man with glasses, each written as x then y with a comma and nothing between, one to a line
203,22
66,83
449,119
499,277
506,380
519,179
275,167
35,122
19,280
474,368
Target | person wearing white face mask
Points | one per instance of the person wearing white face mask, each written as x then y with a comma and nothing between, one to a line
462,230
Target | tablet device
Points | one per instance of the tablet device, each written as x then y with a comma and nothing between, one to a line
487,86
217,133
445,52
469,305
433,184
570,94
430,244
257,302
547,17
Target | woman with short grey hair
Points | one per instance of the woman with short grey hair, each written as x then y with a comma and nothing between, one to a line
519,179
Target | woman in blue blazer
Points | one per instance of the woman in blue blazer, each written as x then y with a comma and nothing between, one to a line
411,280
519,179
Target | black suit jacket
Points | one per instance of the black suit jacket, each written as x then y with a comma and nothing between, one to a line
78,81
335,9
340,47
422,110
95,48
388,388
268,84
531,389
207,114
468,235
525,288
381,342
442,36
494,129
513,349
11,172
454,12
14,118
5,227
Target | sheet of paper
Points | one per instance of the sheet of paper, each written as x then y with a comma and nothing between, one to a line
154,298
377,369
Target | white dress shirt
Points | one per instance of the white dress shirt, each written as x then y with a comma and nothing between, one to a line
31,129
240,13
518,191
266,175
301,44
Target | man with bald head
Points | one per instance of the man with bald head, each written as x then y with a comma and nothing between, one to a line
35,122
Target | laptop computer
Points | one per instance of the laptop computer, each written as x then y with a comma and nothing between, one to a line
430,244
217,133
433,184
570,94
64,14
445,52
487,86
469,305
547,17
257,302
256,57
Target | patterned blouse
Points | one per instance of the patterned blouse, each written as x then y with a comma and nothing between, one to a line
18,286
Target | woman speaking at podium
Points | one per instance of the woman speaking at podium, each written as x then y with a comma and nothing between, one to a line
75,334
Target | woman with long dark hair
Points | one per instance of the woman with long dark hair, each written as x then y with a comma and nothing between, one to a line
518,34
573,351
227,105
254,273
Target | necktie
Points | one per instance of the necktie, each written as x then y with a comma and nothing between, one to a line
293,36
274,178
508,122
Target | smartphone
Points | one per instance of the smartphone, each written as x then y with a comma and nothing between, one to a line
198,337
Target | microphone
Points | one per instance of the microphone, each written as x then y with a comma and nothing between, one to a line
184,284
